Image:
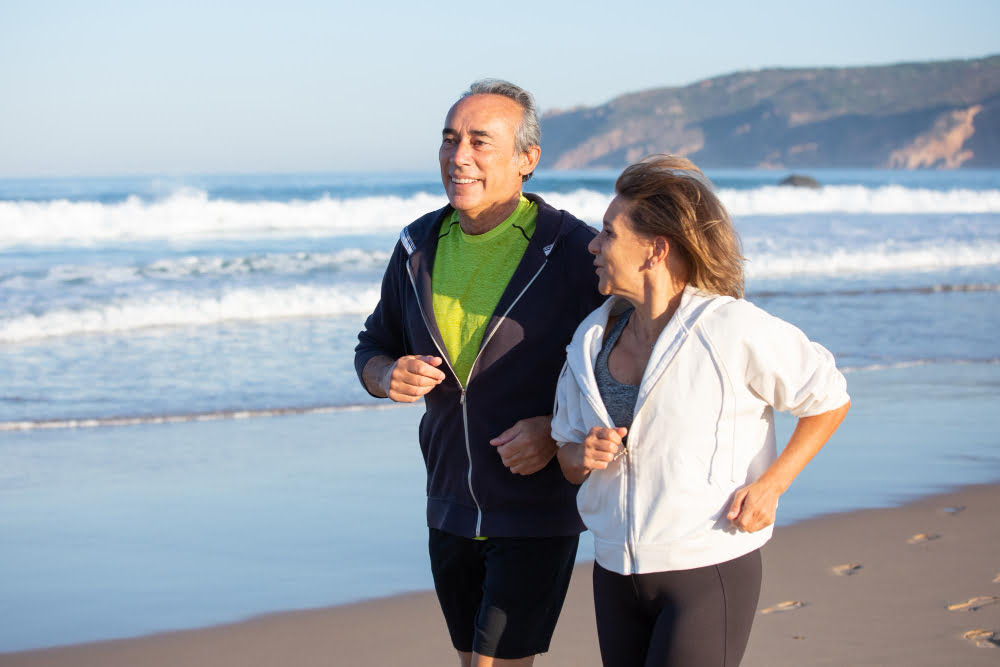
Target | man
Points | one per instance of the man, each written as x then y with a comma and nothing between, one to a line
478,304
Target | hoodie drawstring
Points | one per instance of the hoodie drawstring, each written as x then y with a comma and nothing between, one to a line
728,411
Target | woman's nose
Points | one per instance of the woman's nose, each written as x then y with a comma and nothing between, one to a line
594,246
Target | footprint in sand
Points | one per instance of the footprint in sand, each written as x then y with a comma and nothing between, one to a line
983,638
787,605
975,604
920,538
847,569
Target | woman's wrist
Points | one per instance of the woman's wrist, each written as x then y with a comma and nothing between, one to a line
573,471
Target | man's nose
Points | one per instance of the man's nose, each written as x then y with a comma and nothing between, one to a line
463,152
593,246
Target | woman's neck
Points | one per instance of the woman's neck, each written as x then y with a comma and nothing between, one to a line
660,302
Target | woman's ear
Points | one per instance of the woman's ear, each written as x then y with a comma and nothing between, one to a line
659,251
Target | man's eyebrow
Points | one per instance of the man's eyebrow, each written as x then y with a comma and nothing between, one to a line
475,133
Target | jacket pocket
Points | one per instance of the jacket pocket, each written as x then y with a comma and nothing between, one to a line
601,502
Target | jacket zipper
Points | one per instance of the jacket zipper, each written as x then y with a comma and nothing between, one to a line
465,417
630,538
462,401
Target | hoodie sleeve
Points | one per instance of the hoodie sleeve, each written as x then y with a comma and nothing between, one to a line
383,333
788,371
568,423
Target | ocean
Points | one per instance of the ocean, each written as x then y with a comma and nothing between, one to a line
183,440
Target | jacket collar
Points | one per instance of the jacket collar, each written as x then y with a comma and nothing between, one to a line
589,338
420,239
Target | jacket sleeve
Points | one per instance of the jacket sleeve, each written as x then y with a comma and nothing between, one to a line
383,333
568,421
788,371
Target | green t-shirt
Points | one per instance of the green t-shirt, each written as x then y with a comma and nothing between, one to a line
470,275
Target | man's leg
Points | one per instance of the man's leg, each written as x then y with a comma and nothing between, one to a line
501,597
523,592
476,660
458,566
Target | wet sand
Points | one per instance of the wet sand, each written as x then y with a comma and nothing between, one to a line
898,586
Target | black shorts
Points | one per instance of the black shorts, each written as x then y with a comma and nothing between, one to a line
501,597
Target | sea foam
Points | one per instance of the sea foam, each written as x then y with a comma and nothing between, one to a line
178,309
776,200
879,258
190,215
194,267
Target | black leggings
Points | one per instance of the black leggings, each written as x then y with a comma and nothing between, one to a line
682,618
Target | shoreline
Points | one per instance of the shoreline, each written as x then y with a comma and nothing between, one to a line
888,605
240,414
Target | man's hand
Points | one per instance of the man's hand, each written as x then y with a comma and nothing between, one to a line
601,446
404,380
527,446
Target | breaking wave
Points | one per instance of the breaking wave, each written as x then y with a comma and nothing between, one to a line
882,258
189,214
180,309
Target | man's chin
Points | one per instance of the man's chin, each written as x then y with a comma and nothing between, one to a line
462,204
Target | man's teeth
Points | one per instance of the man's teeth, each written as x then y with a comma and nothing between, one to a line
464,181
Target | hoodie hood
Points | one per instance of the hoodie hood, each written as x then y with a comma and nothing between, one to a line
582,352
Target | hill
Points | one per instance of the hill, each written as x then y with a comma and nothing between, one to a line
936,114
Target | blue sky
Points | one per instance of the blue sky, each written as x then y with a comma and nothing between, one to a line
104,88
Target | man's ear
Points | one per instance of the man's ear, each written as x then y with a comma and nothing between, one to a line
529,160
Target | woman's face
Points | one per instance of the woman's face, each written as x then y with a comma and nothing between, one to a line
620,253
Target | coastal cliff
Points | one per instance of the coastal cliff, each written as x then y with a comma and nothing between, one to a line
917,115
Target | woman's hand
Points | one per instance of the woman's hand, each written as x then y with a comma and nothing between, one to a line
754,507
599,448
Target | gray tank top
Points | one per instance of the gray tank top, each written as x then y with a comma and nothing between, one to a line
619,399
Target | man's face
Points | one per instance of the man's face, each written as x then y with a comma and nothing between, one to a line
480,168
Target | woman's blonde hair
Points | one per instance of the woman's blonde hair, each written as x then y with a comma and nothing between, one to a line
669,196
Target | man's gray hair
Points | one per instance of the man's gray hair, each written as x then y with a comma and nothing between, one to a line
528,132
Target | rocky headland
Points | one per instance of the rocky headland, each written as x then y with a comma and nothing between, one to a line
916,115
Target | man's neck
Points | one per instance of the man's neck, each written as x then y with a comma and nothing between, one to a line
490,218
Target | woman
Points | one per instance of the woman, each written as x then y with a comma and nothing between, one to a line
664,412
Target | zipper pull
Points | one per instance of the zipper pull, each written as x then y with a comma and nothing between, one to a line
461,399
623,451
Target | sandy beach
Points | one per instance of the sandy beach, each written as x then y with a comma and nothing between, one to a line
911,585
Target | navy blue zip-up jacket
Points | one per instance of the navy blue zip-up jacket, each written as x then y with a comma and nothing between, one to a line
469,491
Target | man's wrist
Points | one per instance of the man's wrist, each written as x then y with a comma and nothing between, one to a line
374,375
385,381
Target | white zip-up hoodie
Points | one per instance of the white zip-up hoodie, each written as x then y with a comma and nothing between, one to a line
703,428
